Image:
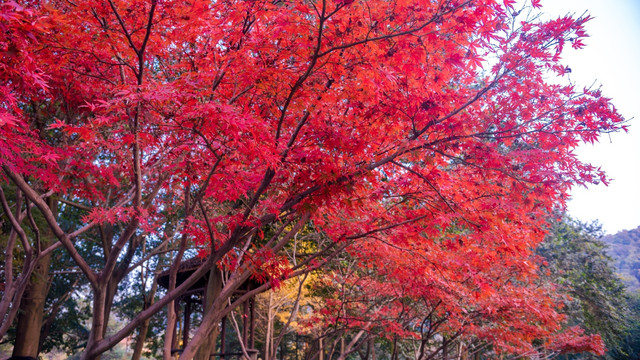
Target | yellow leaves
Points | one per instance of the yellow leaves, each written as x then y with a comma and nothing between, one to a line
293,296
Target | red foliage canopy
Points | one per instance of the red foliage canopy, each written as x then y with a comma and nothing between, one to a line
425,125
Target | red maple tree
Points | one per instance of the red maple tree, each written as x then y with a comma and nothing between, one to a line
440,298
423,125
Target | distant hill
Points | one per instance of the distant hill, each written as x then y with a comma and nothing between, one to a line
624,248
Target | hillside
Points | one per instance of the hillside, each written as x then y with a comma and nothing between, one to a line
624,248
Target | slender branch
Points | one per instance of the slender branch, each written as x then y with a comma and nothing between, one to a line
424,178
208,223
145,41
305,75
75,204
243,346
394,35
160,249
52,222
15,224
34,227
123,26
294,313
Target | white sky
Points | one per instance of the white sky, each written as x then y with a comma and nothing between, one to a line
611,59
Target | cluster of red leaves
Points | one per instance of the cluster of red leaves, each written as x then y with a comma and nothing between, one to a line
457,286
574,340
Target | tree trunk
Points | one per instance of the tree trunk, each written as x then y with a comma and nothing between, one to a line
110,293
445,344
214,287
140,339
31,311
98,321
372,344
347,349
144,327
170,333
30,316
394,352
268,339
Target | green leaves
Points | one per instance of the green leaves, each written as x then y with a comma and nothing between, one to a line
578,262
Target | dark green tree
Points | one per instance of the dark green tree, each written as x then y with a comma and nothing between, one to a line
575,258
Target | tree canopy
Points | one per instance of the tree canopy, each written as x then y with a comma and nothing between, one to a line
430,140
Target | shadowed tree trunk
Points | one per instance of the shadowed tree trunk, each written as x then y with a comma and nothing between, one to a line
31,311
214,286
372,345
30,316
140,339
144,327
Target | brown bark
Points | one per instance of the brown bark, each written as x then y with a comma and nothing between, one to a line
170,333
372,344
31,311
144,327
394,351
268,341
212,317
110,293
30,316
353,345
13,289
98,321
214,287
140,339
445,353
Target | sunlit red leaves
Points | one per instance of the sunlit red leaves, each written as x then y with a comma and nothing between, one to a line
574,340
383,125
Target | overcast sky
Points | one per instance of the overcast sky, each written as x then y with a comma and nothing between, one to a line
611,59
